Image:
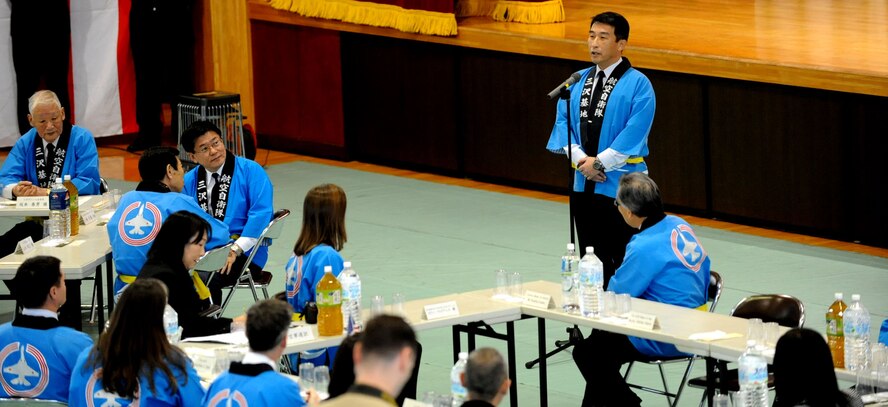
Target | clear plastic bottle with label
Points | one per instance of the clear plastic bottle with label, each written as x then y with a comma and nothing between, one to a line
856,327
171,324
458,392
753,376
569,276
591,284
351,298
59,212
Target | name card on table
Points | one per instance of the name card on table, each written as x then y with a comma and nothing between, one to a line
438,311
32,202
641,320
538,300
300,333
88,216
25,246
409,402
204,360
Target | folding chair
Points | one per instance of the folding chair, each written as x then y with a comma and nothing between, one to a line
714,293
212,261
785,310
272,231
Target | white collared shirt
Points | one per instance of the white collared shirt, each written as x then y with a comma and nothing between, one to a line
610,158
245,243
7,189
253,358
40,312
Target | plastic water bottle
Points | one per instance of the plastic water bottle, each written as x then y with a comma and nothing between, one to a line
171,324
591,284
351,298
59,211
569,270
835,333
328,295
73,195
856,326
458,393
753,377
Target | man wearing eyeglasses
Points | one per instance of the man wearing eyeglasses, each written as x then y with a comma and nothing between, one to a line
234,190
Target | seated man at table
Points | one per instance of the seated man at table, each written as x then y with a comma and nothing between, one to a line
384,360
38,353
234,190
485,378
141,213
248,382
50,150
664,262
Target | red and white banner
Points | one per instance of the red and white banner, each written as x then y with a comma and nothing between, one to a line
104,92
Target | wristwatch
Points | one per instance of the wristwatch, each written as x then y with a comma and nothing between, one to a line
237,250
597,165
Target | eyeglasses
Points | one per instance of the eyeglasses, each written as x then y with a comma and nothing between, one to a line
206,148
617,203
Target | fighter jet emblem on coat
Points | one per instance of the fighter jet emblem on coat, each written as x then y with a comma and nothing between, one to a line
139,222
21,370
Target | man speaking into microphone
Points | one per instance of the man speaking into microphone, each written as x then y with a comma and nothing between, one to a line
611,112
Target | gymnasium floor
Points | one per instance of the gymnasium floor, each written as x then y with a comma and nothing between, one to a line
426,235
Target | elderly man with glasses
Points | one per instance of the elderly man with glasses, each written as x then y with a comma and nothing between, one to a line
665,262
234,190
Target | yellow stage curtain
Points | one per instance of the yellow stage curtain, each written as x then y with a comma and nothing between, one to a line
524,11
430,17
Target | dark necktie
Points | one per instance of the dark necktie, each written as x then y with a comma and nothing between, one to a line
215,187
50,154
591,142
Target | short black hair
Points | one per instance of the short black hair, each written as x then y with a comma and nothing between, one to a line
152,164
194,131
620,24
267,324
386,335
34,278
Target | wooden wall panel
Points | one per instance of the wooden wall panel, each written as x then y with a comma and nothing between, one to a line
400,102
678,151
298,90
774,154
865,141
508,118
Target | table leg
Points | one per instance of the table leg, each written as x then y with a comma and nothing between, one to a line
100,299
109,277
513,375
457,343
544,380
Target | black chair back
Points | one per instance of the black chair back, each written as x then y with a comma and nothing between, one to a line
785,310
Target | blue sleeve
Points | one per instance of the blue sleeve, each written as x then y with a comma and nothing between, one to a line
219,234
558,136
632,277
86,161
74,344
190,187
632,140
13,169
312,272
191,393
883,334
261,199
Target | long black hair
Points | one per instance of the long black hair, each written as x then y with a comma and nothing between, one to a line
804,372
178,230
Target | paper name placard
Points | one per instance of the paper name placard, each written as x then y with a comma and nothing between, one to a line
300,333
32,202
442,310
88,217
409,402
25,246
204,360
641,320
538,300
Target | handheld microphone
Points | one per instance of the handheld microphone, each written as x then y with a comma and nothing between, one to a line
569,81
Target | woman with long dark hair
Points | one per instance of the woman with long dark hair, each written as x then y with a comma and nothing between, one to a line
133,361
804,374
176,249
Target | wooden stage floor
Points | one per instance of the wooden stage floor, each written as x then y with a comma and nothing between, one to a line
822,44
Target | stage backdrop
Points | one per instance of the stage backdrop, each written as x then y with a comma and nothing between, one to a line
103,78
